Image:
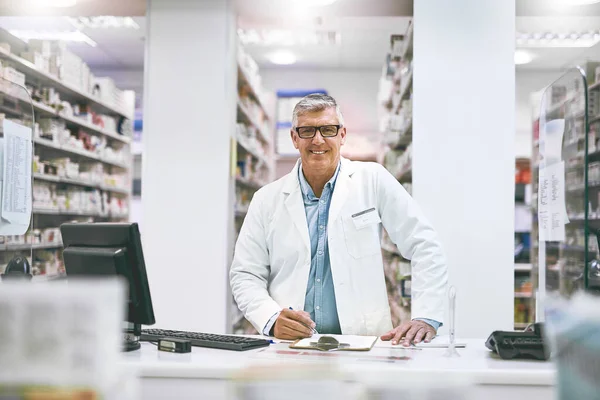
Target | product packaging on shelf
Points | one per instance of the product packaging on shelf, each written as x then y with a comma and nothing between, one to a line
41,62
44,196
66,168
12,75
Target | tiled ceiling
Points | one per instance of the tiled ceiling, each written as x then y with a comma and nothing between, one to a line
559,58
119,52
364,26
81,8
364,43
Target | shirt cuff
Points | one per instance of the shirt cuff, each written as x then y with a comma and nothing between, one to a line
436,325
270,323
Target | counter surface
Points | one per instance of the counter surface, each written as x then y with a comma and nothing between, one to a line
475,363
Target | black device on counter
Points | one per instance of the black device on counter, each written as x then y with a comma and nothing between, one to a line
100,250
175,345
519,344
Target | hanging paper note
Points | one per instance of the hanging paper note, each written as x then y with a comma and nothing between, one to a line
16,176
551,203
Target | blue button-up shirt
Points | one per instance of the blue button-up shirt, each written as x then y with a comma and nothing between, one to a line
320,294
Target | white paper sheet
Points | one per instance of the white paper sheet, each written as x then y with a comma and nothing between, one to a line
551,144
16,176
355,342
553,140
438,342
551,203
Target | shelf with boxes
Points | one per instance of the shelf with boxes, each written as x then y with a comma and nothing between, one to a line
81,133
110,187
395,93
51,64
74,117
115,159
254,153
399,163
46,245
395,121
397,272
523,288
57,198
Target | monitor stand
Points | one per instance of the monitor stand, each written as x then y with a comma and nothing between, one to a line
131,338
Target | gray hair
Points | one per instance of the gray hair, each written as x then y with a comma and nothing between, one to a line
314,103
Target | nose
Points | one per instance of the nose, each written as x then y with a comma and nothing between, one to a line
318,139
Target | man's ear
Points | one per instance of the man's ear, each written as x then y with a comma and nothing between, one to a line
343,135
294,139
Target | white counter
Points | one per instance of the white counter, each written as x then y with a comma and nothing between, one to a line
205,373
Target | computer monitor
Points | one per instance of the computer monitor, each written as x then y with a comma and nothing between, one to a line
95,250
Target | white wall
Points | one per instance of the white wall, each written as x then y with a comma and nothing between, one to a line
189,118
463,150
354,89
527,82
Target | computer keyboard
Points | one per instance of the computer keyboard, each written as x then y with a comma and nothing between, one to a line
225,342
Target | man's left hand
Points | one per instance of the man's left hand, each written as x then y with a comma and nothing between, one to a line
410,332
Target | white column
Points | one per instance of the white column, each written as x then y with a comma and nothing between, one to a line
189,117
463,150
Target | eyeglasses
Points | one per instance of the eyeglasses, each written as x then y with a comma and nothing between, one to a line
309,132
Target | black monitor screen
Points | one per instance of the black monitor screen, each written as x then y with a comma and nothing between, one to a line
110,249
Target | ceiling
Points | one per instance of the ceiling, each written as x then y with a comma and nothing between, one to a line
364,27
277,8
549,8
119,52
559,58
82,8
364,43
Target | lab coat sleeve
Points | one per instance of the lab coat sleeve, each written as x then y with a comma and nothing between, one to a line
418,242
249,274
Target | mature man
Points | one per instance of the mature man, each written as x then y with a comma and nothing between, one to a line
308,255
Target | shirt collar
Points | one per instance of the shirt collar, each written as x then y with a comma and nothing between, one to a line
305,187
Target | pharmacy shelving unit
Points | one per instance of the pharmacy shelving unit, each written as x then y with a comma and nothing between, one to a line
524,301
43,240
254,152
395,105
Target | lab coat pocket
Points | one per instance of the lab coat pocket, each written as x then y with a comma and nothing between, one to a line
362,239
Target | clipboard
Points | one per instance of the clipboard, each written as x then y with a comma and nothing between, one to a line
335,343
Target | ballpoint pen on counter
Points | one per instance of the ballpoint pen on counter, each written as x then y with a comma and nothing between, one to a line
313,330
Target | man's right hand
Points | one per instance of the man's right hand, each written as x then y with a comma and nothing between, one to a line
292,325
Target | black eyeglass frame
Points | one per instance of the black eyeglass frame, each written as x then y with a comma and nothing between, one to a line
317,128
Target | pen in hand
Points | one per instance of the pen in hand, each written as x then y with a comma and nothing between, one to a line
313,330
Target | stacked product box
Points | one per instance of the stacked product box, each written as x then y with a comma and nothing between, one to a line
107,91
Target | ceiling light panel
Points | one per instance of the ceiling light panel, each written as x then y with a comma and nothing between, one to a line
523,57
560,39
288,37
104,22
65,36
282,57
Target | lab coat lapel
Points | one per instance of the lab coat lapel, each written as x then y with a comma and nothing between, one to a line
342,189
295,205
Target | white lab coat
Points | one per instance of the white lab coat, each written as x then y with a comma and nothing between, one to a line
271,263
